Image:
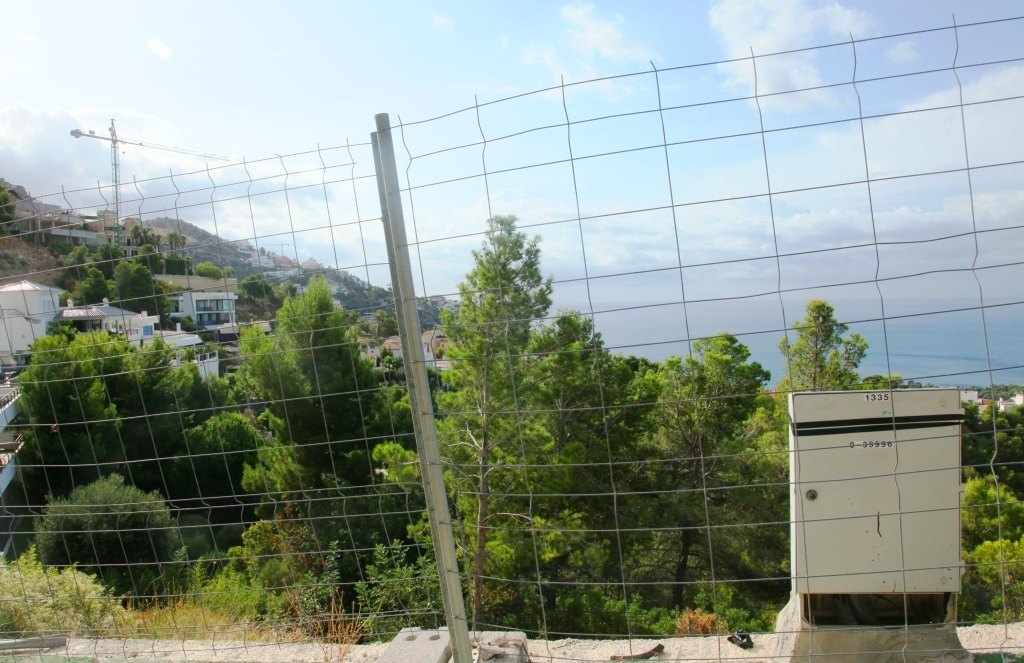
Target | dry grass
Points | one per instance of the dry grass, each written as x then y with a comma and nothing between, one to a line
694,621
335,632
186,620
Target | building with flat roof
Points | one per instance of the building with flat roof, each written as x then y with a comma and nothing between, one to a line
26,309
207,309
138,328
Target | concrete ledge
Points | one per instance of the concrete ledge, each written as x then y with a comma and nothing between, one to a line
500,646
418,645
915,644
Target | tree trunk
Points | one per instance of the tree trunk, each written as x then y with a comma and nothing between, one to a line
686,540
482,506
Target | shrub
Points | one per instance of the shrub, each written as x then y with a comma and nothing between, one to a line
995,570
209,270
398,592
37,601
117,531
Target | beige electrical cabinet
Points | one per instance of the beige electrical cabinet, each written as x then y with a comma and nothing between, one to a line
875,507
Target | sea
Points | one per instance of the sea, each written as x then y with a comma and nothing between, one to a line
956,346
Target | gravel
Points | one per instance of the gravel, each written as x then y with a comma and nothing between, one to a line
979,639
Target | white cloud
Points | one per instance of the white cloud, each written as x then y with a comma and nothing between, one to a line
6,66
38,153
591,40
593,35
443,22
772,26
545,55
904,52
159,49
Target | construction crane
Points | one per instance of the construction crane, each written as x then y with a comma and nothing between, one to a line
115,164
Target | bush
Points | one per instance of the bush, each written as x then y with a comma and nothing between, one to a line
995,570
38,601
209,270
398,592
119,532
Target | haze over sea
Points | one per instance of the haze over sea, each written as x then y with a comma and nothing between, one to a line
939,349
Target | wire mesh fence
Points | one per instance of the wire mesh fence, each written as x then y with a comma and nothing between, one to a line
613,287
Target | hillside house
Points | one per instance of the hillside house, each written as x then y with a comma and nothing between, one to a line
136,327
434,342
26,309
206,308
38,219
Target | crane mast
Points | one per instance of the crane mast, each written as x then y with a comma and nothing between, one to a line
115,169
115,164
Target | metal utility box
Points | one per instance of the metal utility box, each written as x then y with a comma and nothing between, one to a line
875,505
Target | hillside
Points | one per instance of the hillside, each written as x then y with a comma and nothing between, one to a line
20,260
207,247
353,293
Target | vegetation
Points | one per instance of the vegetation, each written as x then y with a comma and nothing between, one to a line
209,270
39,600
8,212
109,529
823,356
291,493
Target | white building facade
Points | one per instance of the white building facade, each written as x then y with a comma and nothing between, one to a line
207,309
26,309
138,328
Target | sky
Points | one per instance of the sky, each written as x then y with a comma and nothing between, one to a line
626,135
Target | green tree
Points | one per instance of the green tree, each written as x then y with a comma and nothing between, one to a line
218,450
319,387
880,382
500,299
823,356
399,591
75,265
175,241
72,422
136,290
93,288
384,325
121,533
94,404
593,406
106,258
995,437
700,422
208,480
993,540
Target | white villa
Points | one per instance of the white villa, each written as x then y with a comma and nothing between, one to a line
206,308
136,327
26,308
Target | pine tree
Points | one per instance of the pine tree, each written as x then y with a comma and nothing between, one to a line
500,299
823,356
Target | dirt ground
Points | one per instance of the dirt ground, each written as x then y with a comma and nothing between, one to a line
981,641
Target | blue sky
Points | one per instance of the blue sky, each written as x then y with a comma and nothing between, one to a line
690,222
258,78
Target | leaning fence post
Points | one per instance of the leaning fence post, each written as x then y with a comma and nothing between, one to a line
419,389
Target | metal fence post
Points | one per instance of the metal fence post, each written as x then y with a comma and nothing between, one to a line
419,389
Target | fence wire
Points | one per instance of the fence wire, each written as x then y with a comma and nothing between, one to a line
620,281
